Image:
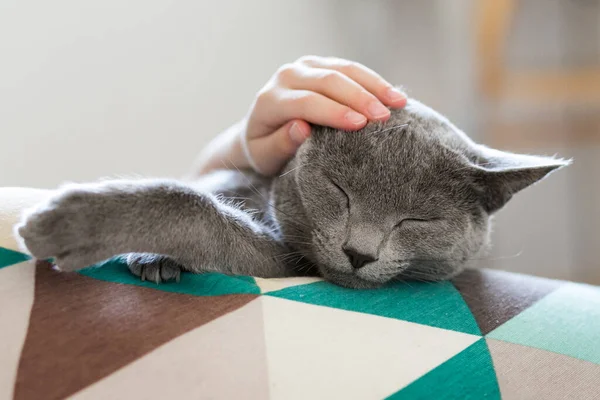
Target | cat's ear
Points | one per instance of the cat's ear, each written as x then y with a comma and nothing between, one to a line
499,175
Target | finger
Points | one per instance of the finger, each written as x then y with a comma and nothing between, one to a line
339,87
271,153
308,106
362,75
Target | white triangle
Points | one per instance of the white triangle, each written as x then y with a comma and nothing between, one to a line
316,352
17,286
274,284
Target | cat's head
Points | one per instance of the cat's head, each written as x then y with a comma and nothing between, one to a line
409,198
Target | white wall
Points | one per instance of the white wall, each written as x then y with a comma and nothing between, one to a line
96,88
89,89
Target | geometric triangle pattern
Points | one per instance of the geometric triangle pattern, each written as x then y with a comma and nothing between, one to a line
116,325
468,375
102,333
566,321
194,362
208,284
336,356
275,284
525,372
495,297
439,305
11,257
16,299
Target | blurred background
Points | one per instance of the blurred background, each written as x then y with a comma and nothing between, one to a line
98,88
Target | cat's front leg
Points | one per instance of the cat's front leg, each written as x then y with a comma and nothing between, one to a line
84,224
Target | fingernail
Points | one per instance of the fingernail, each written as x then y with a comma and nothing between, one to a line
355,118
296,133
378,110
394,95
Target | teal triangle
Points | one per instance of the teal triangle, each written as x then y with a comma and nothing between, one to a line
434,304
468,375
206,284
10,257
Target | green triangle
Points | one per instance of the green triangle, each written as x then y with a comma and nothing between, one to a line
434,304
206,284
468,375
10,257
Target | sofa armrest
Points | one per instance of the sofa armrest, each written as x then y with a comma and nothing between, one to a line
13,200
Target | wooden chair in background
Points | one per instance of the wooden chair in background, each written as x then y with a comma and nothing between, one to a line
500,84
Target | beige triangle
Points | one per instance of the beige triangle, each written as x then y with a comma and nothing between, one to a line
271,285
528,373
317,352
223,359
16,298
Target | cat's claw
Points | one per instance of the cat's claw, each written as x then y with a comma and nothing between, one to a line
154,268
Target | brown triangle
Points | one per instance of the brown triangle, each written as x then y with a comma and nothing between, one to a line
494,297
82,329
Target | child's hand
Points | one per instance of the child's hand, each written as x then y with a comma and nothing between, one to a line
324,91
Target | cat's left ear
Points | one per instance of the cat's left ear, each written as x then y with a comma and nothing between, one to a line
499,175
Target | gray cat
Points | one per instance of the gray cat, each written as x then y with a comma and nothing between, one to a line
411,198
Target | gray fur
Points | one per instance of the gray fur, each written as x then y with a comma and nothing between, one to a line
416,197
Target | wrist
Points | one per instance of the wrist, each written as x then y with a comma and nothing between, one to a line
244,147
224,152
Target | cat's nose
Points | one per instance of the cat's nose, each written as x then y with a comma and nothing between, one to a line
358,260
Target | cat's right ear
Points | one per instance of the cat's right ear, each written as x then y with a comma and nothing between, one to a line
499,175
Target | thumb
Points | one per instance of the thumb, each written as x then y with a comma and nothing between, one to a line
270,153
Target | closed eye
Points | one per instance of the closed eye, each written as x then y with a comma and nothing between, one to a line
343,192
415,220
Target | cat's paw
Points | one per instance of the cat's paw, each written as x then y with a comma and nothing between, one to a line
153,267
63,227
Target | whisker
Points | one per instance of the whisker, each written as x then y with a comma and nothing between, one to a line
442,260
291,170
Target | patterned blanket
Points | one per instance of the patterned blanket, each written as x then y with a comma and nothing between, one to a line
103,334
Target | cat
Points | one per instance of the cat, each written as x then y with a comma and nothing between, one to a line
410,198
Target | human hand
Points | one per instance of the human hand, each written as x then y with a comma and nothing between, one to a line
313,90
